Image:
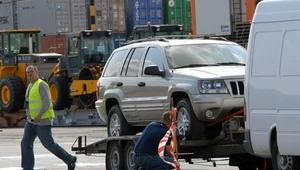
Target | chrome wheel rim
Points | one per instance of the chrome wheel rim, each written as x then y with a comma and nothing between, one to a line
115,158
114,125
183,122
284,162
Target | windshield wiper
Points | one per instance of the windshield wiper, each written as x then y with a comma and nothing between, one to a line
196,65
231,63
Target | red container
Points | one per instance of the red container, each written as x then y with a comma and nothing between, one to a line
53,43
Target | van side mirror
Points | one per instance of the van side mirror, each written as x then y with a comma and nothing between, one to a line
154,70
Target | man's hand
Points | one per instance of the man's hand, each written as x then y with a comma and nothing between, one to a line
37,119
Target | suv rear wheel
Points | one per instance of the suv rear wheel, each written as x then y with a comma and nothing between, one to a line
117,124
188,125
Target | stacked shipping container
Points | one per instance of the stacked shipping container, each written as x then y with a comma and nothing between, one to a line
139,12
63,16
6,15
178,12
52,16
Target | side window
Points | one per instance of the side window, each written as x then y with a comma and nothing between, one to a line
134,63
115,63
153,57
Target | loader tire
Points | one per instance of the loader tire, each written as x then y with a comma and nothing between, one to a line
12,94
59,90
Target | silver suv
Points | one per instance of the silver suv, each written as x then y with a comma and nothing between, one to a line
203,78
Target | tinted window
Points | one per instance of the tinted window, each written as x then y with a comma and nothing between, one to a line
182,55
134,63
114,64
153,57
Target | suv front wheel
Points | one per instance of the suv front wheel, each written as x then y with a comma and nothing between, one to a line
188,125
117,124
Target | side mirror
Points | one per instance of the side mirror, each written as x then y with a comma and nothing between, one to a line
154,70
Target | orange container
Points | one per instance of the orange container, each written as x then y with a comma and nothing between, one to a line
53,43
250,9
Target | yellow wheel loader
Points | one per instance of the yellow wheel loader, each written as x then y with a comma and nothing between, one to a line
73,80
18,49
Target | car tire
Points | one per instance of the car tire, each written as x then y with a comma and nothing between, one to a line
117,124
188,125
289,162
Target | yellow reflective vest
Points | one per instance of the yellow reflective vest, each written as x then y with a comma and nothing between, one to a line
35,102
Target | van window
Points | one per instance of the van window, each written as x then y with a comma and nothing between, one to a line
266,54
114,64
290,59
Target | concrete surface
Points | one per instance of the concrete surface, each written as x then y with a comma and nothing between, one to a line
10,151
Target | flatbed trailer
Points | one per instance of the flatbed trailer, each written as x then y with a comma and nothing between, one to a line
119,150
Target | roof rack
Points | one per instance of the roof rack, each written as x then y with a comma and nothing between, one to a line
165,38
145,40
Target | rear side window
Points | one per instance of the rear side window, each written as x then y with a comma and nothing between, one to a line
114,64
132,63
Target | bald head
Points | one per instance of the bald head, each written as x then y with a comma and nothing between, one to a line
165,118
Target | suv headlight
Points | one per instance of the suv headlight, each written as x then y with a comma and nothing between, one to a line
213,86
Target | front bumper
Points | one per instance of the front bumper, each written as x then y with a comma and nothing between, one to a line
220,104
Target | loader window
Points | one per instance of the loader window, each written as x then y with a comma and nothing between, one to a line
97,49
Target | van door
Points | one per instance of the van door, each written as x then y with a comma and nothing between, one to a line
288,98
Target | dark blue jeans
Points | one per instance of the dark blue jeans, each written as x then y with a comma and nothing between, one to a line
44,133
152,162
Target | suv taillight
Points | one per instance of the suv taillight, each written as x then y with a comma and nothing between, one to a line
97,90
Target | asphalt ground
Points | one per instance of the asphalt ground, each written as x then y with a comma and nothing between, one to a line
10,151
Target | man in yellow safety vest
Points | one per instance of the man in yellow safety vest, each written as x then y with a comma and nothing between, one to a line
40,114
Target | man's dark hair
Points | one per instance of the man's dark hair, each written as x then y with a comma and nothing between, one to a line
166,117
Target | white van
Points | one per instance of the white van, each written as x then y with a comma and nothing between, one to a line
272,84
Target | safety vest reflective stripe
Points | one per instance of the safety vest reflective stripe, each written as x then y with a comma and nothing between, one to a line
37,110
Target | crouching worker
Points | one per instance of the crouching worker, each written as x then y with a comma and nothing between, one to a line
145,151
40,114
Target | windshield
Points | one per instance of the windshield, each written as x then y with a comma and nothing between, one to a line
98,49
15,43
205,55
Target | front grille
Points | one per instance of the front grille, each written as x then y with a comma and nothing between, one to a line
237,88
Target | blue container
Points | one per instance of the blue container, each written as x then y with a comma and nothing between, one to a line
140,12
119,39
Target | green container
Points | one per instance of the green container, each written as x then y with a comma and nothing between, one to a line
178,12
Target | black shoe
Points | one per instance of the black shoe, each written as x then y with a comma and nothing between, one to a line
72,165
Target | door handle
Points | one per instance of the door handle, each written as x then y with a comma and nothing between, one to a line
140,84
119,84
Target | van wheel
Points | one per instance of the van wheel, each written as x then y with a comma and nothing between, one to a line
128,155
284,162
188,125
117,124
114,157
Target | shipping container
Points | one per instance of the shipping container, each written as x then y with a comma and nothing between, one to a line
211,17
6,15
178,12
140,12
54,43
52,16
79,15
119,39
250,8
110,15
238,10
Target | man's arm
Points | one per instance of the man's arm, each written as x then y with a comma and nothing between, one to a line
168,150
45,94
